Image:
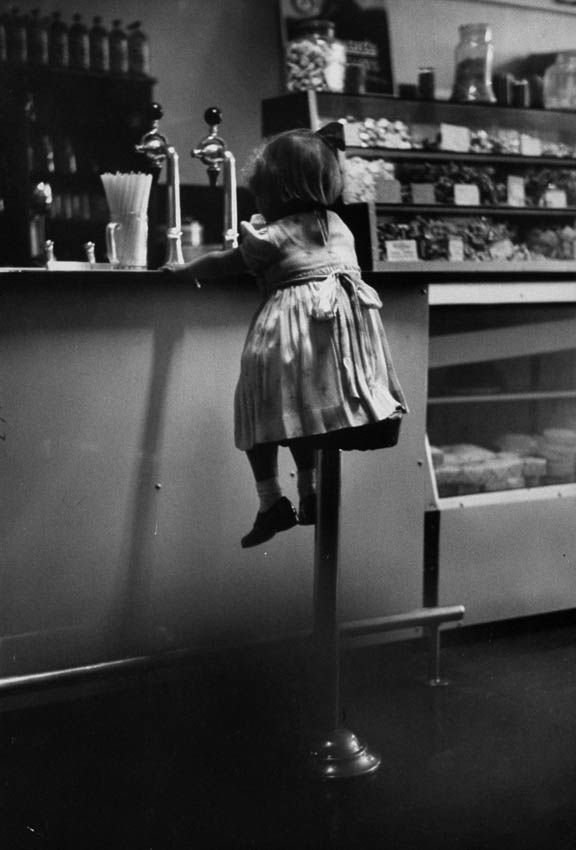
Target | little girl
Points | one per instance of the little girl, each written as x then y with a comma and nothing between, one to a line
316,359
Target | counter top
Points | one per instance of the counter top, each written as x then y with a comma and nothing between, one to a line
416,274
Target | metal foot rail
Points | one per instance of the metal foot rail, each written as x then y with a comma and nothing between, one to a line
429,618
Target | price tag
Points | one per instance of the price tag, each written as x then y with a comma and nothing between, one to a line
516,194
466,195
555,198
455,249
530,145
423,193
352,134
454,138
388,191
401,250
501,250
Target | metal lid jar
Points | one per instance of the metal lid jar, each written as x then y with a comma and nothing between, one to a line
560,82
315,59
474,57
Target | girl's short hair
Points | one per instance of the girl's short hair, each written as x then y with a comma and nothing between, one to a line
293,171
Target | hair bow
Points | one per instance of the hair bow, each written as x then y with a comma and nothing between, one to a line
333,135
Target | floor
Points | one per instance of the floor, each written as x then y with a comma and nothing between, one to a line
214,755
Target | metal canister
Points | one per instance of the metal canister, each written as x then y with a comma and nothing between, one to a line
426,84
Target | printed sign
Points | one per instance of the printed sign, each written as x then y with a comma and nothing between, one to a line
401,250
455,249
454,138
466,195
516,193
388,191
530,145
555,198
423,193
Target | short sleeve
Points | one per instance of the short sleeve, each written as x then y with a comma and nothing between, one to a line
256,247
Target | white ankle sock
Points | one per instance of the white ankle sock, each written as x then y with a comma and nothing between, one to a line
306,482
269,492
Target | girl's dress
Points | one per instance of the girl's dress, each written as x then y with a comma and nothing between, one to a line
316,358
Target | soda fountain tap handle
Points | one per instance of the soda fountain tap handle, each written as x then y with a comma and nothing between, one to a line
154,144
155,111
157,149
212,151
213,116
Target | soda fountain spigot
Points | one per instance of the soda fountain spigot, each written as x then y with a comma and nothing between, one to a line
155,146
212,151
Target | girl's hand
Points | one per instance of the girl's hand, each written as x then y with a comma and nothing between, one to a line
182,271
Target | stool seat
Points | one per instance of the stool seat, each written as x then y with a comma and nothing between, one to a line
376,435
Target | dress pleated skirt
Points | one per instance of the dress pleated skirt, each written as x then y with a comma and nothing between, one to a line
316,360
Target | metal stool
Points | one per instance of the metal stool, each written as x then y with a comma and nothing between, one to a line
339,754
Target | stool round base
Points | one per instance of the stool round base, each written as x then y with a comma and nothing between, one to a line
342,756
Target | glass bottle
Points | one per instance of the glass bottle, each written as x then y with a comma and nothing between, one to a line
118,48
58,42
16,37
37,39
138,50
315,59
474,57
560,82
78,45
99,46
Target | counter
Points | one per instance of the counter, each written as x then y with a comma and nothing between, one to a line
123,498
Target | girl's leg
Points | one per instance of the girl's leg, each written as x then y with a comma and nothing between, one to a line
303,454
263,459
276,512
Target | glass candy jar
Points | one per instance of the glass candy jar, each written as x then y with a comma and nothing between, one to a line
315,59
560,82
474,57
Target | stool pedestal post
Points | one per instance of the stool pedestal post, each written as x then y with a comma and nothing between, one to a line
338,754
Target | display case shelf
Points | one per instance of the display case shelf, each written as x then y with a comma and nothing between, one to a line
424,155
476,398
450,209
434,270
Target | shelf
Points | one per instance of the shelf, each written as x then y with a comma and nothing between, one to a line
28,72
498,497
503,397
472,268
421,155
312,109
428,209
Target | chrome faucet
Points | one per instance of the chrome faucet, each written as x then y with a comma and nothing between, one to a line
155,146
212,152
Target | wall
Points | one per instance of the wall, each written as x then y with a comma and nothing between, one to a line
227,53
425,32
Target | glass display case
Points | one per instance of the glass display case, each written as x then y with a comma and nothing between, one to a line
501,426
502,396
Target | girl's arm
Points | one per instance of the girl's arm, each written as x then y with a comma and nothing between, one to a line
212,265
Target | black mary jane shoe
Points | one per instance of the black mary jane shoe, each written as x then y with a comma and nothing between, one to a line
307,510
281,516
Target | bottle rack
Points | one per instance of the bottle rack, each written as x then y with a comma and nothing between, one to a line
62,128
